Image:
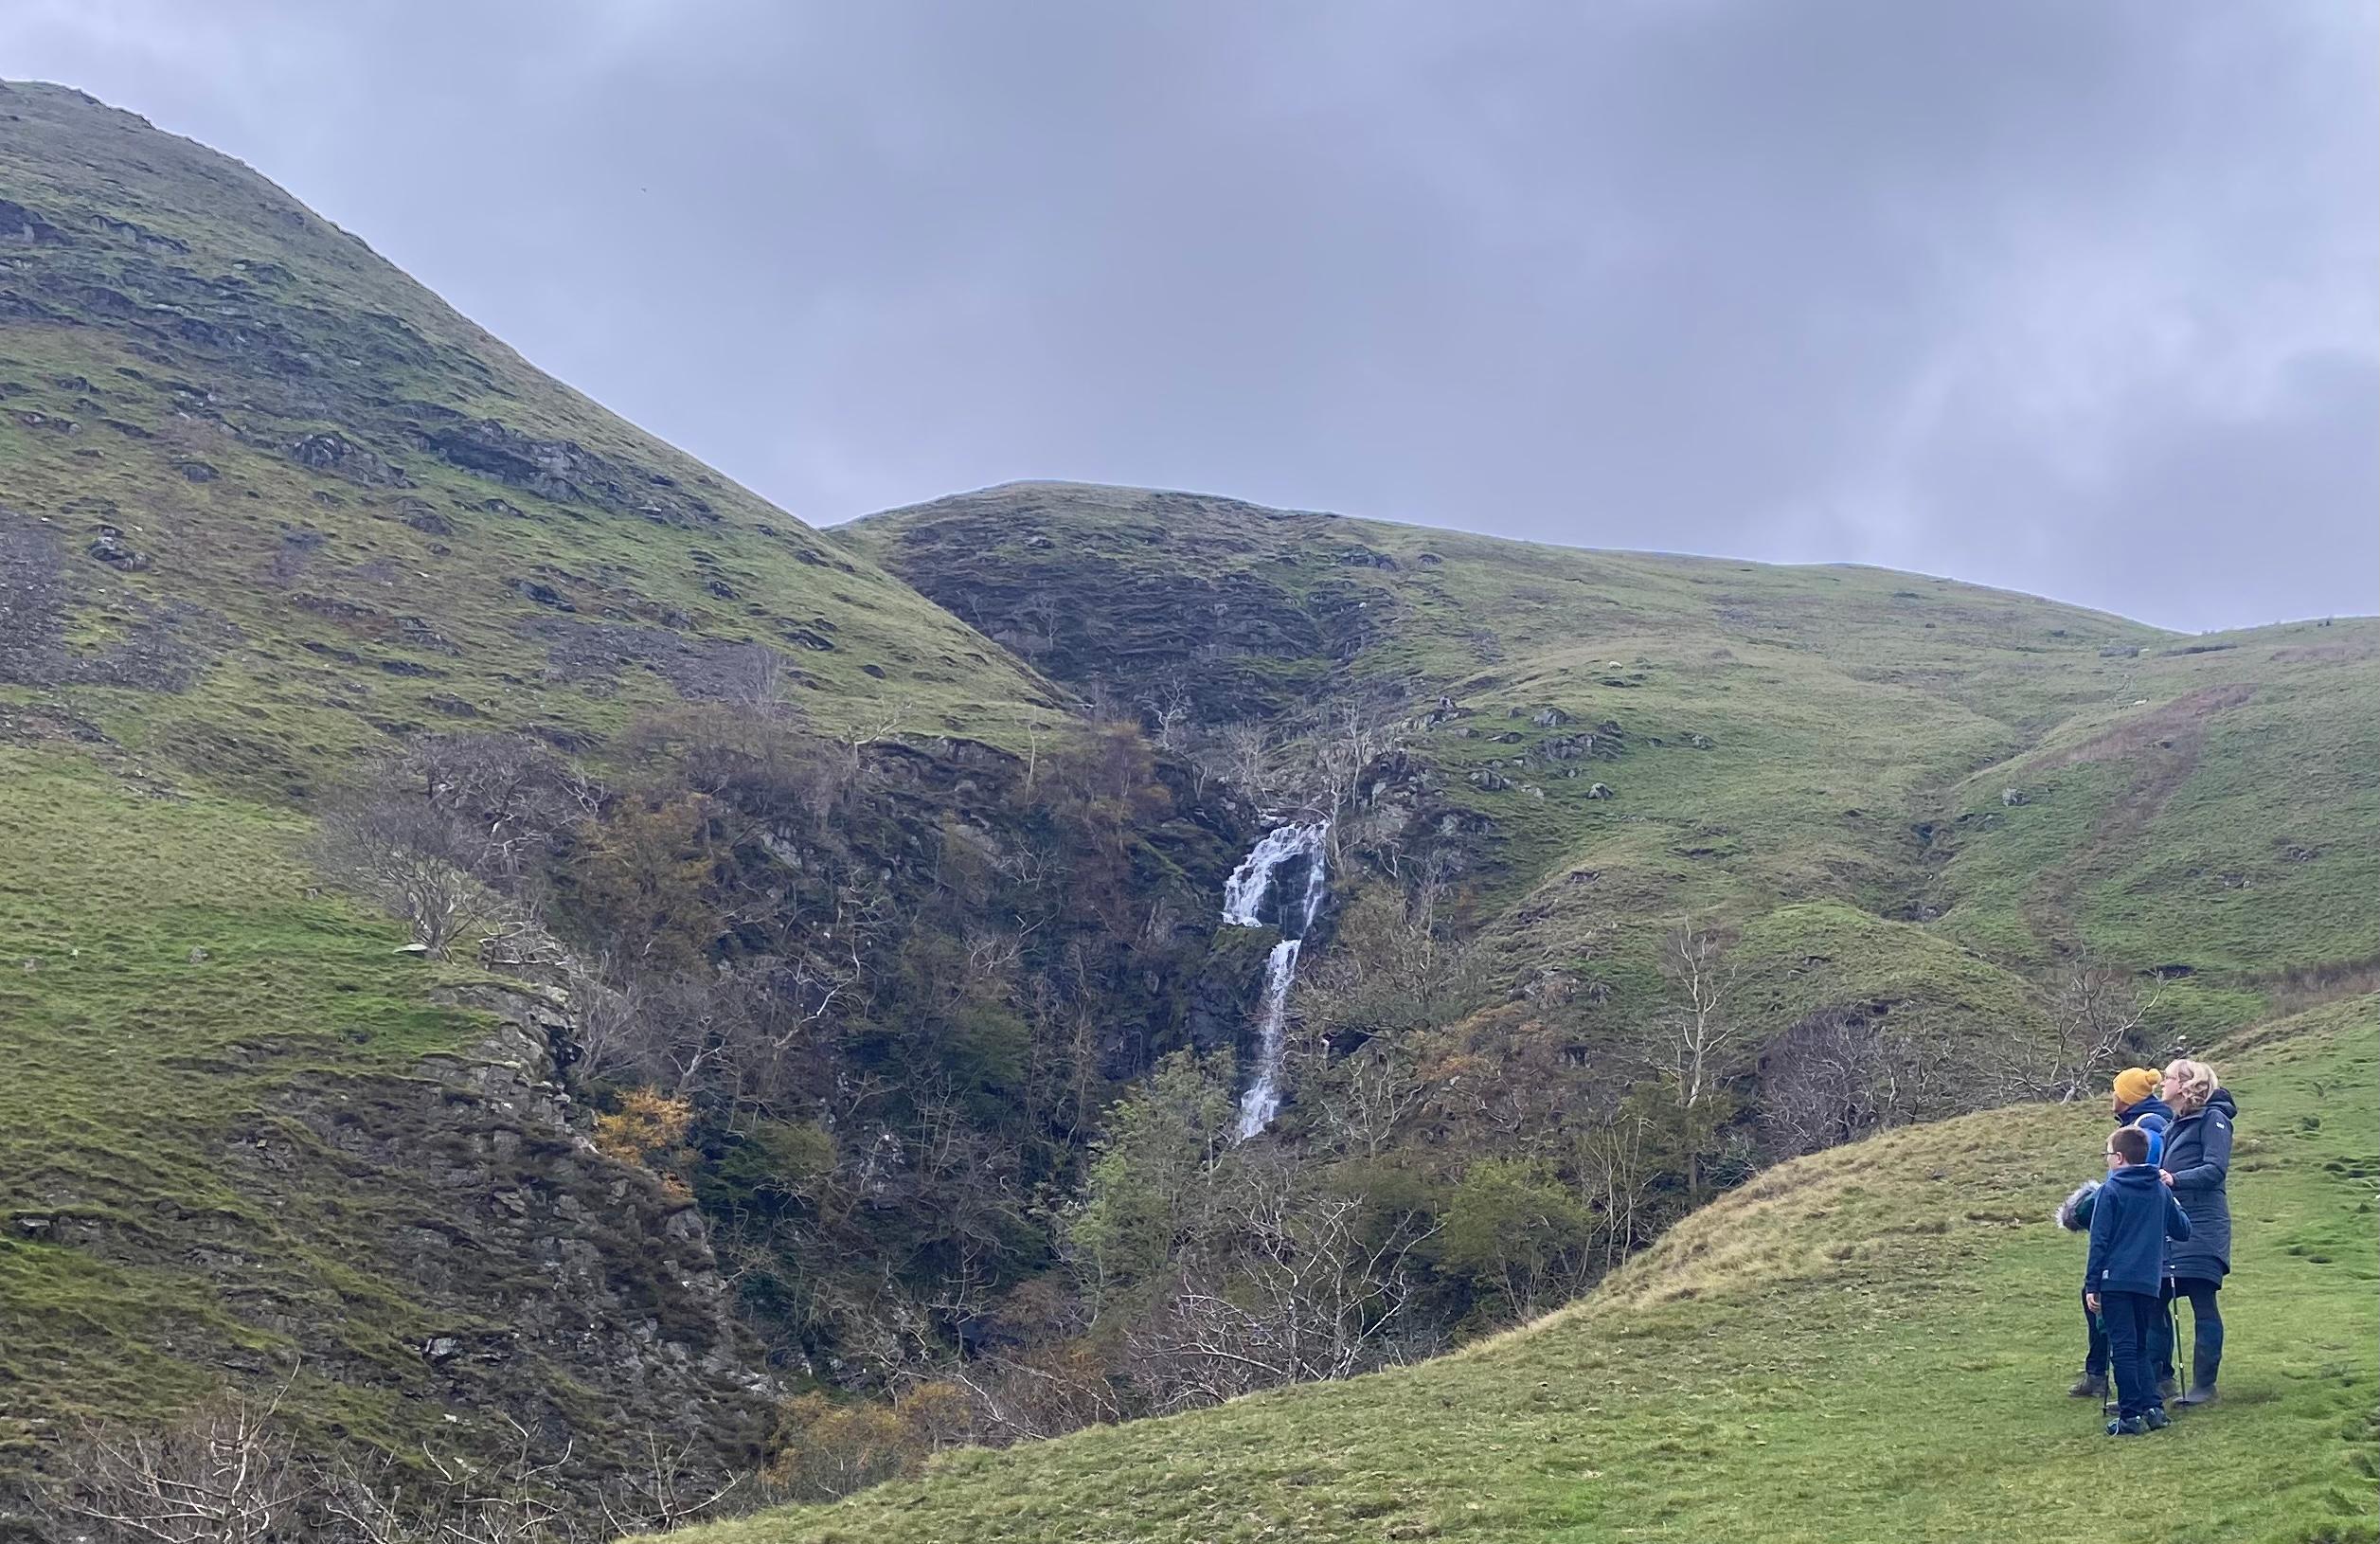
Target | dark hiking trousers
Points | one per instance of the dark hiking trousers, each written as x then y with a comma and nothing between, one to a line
2127,1317
2094,1353
2206,1330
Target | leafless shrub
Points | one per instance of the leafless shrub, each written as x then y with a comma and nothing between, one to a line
415,860
231,1474
1303,1290
1039,1391
225,1476
1839,1075
2096,1022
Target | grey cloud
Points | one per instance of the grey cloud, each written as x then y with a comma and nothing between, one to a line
2072,299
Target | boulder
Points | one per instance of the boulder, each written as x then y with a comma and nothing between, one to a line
110,548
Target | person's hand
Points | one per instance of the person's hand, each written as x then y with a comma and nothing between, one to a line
2166,1175
2091,1300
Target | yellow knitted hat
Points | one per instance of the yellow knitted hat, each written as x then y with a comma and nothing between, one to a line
2134,1083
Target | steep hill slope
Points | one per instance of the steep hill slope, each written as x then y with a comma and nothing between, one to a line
258,475
1885,780
1870,1343
268,510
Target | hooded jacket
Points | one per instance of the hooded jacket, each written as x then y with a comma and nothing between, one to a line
2152,1115
2131,1219
2198,1155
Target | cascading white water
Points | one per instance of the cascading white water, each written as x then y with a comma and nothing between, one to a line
1243,896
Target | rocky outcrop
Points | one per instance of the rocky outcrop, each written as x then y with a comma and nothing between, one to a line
561,470
498,1270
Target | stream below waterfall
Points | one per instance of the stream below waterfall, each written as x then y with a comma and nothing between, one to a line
1243,897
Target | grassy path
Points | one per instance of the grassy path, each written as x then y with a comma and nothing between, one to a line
1870,1344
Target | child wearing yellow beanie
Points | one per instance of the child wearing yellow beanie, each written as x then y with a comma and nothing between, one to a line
2135,1103
2135,1085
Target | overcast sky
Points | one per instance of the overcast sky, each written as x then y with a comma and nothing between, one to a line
2076,297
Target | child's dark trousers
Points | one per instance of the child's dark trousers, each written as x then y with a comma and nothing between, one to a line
2132,1319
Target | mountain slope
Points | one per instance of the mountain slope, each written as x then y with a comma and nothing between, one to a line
1868,1343
256,471
268,513
2030,783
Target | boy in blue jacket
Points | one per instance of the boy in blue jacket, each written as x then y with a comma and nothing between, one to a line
2135,1103
2131,1218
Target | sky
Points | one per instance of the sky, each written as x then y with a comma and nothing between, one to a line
2074,297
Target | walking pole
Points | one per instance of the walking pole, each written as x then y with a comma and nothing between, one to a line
2107,1405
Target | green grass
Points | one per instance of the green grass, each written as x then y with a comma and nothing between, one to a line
2224,824
170,978
1868,1344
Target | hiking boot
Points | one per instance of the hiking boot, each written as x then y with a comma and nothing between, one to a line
2127,1425
2200,1393
2156,1420
2169,1387
2089,1386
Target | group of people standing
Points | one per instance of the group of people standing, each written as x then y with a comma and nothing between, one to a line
2160,1231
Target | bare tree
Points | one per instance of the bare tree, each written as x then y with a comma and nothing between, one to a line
1168,707
1243,750
1041,609
881,724
2095,1018
415,860
1839,1075
447,834
758,680
1617,1182
1359,731
224,1476
1369,1091
1294,1288
1698,1035
1037,729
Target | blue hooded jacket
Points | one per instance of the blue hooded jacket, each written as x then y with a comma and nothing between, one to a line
2152,1115
2131,1219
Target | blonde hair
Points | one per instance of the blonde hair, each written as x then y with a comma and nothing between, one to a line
2194,1084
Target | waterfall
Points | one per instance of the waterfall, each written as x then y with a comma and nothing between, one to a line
1243,896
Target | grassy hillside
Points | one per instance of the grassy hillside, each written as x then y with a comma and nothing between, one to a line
862,935
2023,781
268,507
266,498
1870,1343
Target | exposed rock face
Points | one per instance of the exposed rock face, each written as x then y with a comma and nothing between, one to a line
1117,616
333,452
541,1282
561,470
